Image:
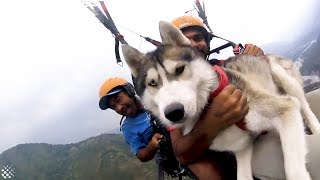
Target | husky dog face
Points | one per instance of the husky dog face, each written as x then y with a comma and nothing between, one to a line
173,81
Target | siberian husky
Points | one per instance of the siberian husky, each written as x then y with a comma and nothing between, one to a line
174,83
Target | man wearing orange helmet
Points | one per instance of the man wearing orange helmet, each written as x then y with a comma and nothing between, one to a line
194,29
119,95
190,149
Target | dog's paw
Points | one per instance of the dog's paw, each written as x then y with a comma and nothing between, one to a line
313,123
315,129
298,174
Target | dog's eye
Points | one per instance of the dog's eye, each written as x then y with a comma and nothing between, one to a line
152,83
179,70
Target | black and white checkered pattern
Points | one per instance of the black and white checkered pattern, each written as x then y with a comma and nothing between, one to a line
7,172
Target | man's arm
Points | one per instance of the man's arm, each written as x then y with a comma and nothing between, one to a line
226,109
148,153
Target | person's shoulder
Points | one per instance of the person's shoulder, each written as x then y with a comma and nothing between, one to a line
126,126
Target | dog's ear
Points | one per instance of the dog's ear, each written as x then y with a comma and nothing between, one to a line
133,57
172,35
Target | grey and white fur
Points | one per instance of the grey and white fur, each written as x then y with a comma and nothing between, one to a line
174,83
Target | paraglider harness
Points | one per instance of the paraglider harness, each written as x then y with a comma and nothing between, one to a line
165,158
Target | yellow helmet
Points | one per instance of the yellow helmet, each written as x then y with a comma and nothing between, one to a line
187,21
112,86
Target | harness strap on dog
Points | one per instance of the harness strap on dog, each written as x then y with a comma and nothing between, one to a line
170,128
223,82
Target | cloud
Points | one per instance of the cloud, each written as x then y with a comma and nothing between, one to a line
52,63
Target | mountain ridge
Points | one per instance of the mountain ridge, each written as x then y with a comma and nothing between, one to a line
100,157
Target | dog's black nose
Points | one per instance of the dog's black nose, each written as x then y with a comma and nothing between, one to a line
174,112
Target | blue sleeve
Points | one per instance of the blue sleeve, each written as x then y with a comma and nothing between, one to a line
133,140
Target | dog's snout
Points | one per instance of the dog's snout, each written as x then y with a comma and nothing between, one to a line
174,112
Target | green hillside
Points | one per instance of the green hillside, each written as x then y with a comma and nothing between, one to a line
105,157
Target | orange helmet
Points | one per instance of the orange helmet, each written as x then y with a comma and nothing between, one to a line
112,86
187,21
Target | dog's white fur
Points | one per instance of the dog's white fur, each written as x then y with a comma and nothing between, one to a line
269,110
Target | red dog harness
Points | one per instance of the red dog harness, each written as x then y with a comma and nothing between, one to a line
223,82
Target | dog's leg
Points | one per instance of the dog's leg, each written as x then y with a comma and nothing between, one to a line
311,120
291,85
309,117
290,128
244,169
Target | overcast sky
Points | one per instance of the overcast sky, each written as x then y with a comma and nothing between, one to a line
54,55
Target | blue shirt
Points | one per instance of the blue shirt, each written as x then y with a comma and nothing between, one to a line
137,131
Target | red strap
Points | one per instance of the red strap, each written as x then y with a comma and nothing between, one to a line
242,125
238,49
223,81
170,128
118,37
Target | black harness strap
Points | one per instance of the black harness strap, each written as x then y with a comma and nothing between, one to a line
116,51
166,157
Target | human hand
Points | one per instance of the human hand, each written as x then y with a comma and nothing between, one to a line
253,50
154,143
228,107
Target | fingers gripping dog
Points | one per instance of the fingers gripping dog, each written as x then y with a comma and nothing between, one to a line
174,83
